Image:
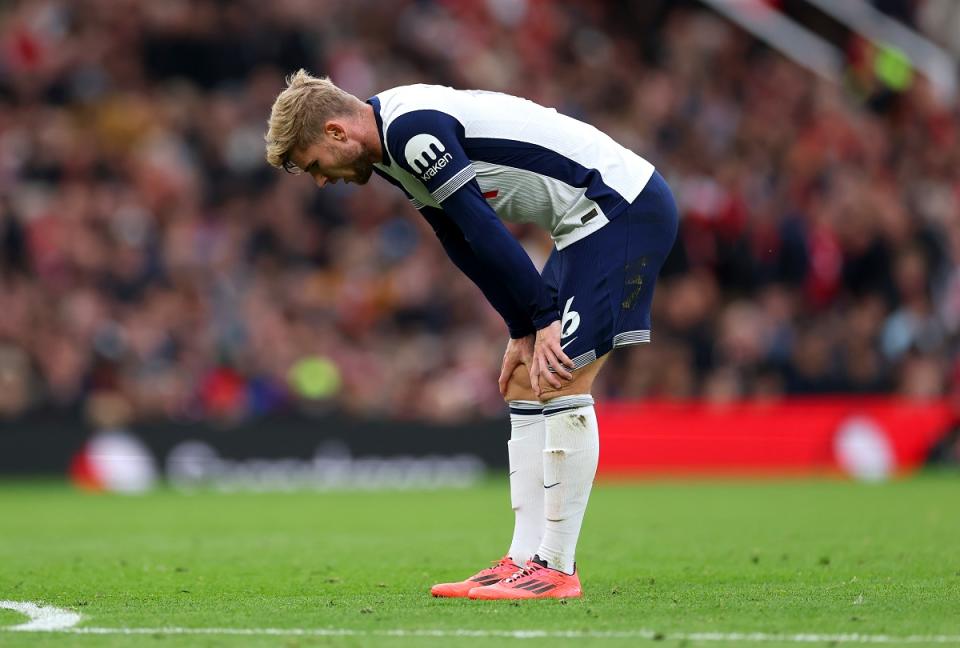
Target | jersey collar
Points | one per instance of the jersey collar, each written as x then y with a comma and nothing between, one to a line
375,102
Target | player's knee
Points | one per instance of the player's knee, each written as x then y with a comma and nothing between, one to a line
578,385
518,388
582,382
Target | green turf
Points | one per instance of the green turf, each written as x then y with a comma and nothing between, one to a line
779,557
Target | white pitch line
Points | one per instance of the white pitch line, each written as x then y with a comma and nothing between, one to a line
53,619
43,618
527,634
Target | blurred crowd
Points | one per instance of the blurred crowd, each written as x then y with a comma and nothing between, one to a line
148,253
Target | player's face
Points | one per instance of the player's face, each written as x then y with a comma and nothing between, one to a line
335,157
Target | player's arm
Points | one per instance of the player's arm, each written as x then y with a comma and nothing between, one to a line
462,255
517,320
501,256
428,144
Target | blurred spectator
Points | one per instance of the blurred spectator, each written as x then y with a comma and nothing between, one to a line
147,251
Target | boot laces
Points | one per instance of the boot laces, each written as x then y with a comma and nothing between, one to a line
495,564
530,568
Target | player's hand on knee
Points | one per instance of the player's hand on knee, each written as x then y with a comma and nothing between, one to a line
548,353
519,352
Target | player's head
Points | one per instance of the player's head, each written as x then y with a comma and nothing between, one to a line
316,127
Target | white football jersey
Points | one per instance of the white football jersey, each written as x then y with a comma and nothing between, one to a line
533,165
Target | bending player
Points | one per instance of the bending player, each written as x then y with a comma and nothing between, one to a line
467,159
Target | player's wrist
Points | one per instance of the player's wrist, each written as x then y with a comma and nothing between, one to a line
545,320
522,331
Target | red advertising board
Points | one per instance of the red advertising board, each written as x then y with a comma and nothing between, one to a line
797,436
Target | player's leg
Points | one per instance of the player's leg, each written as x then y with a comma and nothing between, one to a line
570,455
606,288
525,451
639,243
525,455
569,463
571,445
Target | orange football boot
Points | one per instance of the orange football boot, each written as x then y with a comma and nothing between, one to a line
533,581
500,570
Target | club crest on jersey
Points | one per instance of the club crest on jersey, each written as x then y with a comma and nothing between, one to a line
426,155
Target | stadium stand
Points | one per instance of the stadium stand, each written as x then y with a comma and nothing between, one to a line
149,253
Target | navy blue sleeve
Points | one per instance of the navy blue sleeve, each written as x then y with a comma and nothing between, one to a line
501,255
460,252
429,144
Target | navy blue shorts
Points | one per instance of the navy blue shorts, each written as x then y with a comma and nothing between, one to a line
604,282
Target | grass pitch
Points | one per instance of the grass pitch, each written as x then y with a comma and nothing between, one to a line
671,559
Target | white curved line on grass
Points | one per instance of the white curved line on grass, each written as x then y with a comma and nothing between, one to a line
528,634
43,618
53,619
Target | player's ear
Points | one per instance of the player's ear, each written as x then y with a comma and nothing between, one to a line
335,130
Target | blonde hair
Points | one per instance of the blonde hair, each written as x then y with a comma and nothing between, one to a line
299,114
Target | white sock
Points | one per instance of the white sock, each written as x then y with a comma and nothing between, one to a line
569,465
525,449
